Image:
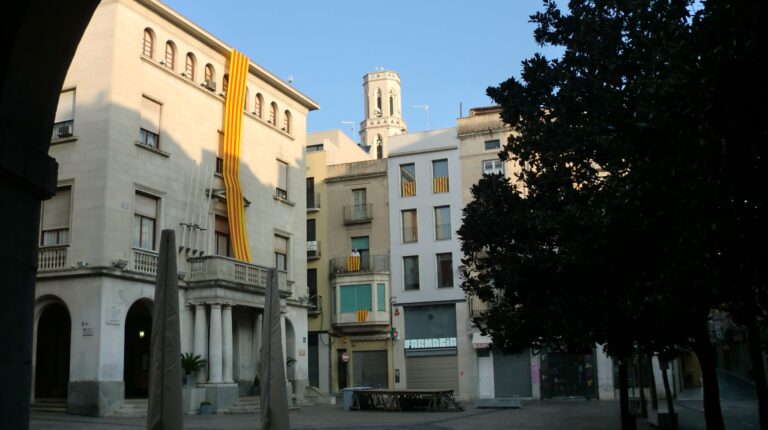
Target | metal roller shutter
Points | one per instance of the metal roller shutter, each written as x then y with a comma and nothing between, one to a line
512,375
433,372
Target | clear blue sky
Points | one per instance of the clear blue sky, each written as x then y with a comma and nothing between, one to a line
446,51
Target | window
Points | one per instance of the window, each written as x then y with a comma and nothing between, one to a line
493,167
355,298
381,297
311,203
359,205
444,270
442,222
379,147
311,231
223,243
55,218
287,122
209,77
281,252
170,55
282,180
378,103
220,156
189,66
391,104
225,83
410,226
492,144
362,246
144,221
259,103
148,48
440,176
411,272
407,180
312,286
273,113
315,148
149,133
63,124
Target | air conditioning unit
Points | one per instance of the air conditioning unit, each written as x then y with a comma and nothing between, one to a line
211,85
64,130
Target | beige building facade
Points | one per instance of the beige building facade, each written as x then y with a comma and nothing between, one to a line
138,140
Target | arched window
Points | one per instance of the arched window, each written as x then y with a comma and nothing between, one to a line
379,147
378,103
391,103
287,122
210,74
170,55
189,67
225,83
273,113
259,103
148,48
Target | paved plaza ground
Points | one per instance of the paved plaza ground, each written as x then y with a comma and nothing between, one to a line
738,403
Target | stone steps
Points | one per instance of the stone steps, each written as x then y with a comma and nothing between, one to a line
245,405
49,405
132,408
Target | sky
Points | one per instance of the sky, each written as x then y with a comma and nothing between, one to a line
446,52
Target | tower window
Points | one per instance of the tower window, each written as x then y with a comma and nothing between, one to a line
170,55
189,68
148,47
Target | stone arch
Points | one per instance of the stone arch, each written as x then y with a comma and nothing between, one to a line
53,333
138,332
290,350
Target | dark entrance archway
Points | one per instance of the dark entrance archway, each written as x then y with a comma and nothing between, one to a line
138,329
52,358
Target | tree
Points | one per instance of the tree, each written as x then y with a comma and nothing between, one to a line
637,177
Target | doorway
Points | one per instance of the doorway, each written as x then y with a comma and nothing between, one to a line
138,331
52,357
342,369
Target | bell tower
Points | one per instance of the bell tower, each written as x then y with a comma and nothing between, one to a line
383,109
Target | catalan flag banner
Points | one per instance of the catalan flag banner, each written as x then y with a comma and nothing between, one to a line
409,188
440,185
353,264
233,127
362,315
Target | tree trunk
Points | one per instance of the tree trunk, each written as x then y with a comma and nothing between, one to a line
758,367
643,405
668,394
627,420
654,396
713,415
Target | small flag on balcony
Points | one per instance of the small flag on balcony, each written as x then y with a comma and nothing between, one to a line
362,315
353,264
440,185
409,188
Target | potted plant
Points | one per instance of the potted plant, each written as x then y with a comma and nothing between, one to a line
206,408
191,363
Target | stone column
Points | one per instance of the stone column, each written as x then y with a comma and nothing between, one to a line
201,338
214,345
228,349
258,326
187,328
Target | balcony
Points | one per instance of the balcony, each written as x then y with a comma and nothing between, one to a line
361,321
313,202
358,214
214,270
363,264
145,261
313,249
315,305
52,257
477,306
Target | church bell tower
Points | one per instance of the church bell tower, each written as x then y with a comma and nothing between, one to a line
383,111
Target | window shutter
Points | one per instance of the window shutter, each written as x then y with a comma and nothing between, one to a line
222,225
359,243
282,175
56,210
150,115
65,111
145,206
281,244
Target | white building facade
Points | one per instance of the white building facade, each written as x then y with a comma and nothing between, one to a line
138,139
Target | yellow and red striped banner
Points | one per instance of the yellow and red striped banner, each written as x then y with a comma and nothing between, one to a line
233,128
362,315
440,185
409,188
353,264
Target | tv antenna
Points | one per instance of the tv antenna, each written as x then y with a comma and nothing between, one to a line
426,111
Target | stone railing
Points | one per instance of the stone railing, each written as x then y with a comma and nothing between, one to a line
145,261
363,264
214,268
52,257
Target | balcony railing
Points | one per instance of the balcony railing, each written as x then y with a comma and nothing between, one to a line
313,249
363,264
356,214
214,269
145,261
313,201
477,306
52,257
315,304
63,129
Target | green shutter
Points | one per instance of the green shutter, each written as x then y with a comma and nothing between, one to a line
348,298
364,297
381,297
360,242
